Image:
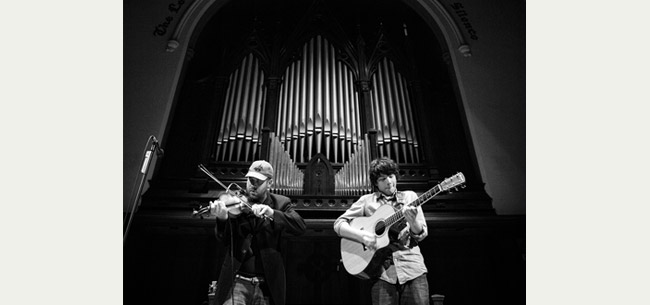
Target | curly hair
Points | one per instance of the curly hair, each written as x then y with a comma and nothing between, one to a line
382,165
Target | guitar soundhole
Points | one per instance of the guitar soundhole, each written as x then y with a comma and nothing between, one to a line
380,228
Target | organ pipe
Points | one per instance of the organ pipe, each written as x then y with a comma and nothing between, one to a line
241,117
352,179
289,179
392,111
318,111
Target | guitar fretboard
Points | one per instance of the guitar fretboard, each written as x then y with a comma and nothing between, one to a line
416,203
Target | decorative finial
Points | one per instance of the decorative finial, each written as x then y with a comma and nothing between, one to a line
172,45
465,50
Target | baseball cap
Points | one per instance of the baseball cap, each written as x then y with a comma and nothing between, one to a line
260,169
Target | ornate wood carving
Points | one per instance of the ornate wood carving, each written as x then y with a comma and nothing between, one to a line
319,176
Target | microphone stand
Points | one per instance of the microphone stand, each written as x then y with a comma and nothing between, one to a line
152,146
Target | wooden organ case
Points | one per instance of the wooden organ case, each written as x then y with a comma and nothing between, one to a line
318,95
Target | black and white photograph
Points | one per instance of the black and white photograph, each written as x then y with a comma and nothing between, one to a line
373,152
324,152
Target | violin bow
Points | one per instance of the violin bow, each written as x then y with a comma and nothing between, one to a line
207,172
205,209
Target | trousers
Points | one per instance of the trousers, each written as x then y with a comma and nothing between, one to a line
247,293
413,292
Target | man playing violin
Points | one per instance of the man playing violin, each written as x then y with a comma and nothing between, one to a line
250,226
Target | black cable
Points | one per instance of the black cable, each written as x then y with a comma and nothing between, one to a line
255,228
232,264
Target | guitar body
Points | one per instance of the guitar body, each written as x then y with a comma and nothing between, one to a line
357,259
385,223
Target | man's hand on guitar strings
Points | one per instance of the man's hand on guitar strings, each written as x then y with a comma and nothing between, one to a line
369,240
410,213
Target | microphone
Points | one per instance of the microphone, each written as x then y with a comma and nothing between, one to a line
160,152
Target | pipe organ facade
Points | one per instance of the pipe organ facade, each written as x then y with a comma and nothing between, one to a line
318,108
242,113
391,105
352,179
289,179
318,111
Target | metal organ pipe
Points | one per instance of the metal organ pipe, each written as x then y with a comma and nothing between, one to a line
332,100
318,110
398,124
411,121
289,178
393,113
296,110
318,106
354,115
303,104
286,120
346,117
351,179
232,136
242,113
223,130
374,97
341,106
259,112
226,119
250,111
404,126
310,102
327,128
282,103
234,119
384,119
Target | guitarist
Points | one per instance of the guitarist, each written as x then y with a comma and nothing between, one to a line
401,279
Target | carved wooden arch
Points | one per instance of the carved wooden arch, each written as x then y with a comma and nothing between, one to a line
319,176
202,10
199,13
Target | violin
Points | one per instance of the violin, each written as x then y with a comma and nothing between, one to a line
236,201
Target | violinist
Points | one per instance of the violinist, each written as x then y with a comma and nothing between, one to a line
250,226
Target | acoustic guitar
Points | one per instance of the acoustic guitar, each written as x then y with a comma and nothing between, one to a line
363,262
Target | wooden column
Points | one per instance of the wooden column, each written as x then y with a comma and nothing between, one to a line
372,144
272,84
265,149
363,89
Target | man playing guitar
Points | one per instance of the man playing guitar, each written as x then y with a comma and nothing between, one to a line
397,268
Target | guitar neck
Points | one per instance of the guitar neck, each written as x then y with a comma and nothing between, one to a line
398,216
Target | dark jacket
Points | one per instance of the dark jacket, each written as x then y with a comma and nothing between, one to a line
267,236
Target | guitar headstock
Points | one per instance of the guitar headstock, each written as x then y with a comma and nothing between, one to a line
453,181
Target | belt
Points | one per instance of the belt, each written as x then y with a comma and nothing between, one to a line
388,262
253,280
